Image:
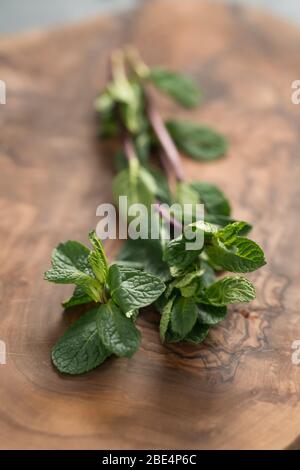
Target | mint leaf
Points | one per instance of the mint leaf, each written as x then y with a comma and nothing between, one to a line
198,142
238,255
149,252
198,333
80,349
162,192
142,143
181,88
70,266
223,221
132,289
79,297
207,230
185,194
210,314
176,255
105,105
183,316
118,333
97,258
137,184
230,232
212,197
165,318
187,283
132,109
229,290
208,277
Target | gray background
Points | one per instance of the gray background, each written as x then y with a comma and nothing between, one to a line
22,15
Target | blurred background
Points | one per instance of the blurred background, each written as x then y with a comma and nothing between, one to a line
22,15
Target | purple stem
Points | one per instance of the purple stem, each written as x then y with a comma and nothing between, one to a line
166,215
129,148
170,150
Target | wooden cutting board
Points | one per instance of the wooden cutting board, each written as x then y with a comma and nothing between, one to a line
237,390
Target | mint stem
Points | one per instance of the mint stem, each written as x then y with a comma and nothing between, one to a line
167,217
170,150
129,148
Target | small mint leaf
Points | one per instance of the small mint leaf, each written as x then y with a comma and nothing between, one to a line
198,333
212,197
183,316
70,266
198,142
165,318
181,88
97,259
210,314
80,349
238,254
132,289
118,333
79,297
229,290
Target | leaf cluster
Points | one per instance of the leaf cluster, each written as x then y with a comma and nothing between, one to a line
184,284
118,293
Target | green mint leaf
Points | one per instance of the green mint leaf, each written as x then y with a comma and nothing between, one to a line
208,277
239,255
70,266
172,337
223,221
212,197
176,255
183,316
149,252
188,284
198,142
142,144
185,194
230,232
97,258
131,289
181,88
120,161
105,105
162,193
137,184
210,314
165,319
79,297
132,110
80,349
118,333
229,290
198,333
208,230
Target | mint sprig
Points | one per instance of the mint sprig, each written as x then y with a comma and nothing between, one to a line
184,285
119,292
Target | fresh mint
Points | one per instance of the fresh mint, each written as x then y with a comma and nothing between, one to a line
181,88
187,287
80,349
198,142
118,333
118,292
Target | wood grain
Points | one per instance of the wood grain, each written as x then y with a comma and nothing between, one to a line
240,388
